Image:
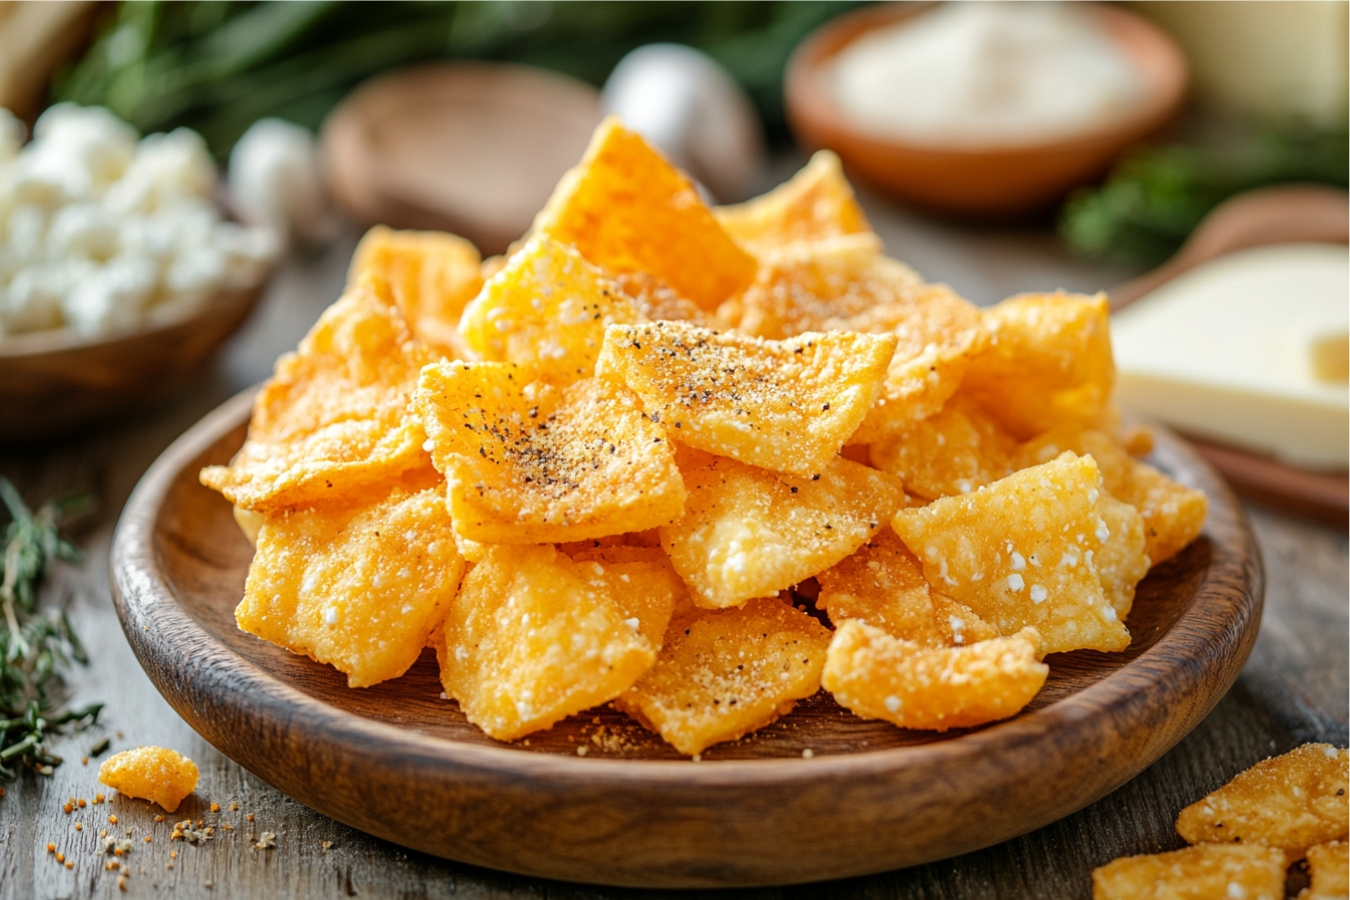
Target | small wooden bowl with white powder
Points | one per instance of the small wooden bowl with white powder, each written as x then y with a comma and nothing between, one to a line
983,109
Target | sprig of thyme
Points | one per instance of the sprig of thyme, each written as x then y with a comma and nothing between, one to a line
35,644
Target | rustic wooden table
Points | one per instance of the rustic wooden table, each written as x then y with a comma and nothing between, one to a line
1294,688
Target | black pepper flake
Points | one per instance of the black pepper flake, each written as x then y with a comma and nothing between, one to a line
815,477
794,490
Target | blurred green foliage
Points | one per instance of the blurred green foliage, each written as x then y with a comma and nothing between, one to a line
1153,199
219,66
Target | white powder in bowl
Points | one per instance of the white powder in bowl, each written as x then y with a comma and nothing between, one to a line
977,74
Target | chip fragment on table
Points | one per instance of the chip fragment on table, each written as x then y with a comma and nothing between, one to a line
528,462
628,210
748,532
727,673
358,587
815,204
1329,871
156,774
533,637
1204,872
1022,552
334,417
878,676
786,405
546,309
1290,802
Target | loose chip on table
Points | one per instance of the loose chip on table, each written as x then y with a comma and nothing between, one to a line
934,688
431,275
1205,872
534,637
727,673
334,416
628,210
1173,514
150,773
748,532
786,405
359,587
815,204
1023,552
1290,802
547,309
1047,364
1329,868
531,463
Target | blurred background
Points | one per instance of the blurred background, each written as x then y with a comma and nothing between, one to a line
164,165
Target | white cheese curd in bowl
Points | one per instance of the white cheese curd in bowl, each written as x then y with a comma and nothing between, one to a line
986,73
100,229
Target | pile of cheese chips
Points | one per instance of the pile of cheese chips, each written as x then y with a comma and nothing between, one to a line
698,463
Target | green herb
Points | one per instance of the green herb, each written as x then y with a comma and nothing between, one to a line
35,644
1152,200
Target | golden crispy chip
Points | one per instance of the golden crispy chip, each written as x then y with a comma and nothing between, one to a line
878,676
431,275
533,637
658,301
1173,515
787,405
1291,802
334,417
1048,363
953,451
358,587
820,286
1122,561
1022,552
882,584
151,773
1329,866
546,309
724,674
642,582
1207,872
814,204
748,532
533,463
627,209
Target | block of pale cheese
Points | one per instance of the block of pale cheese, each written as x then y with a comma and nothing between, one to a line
1245,350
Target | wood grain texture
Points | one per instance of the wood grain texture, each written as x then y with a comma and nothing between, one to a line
872,798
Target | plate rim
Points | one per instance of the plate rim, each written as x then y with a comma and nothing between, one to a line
143,598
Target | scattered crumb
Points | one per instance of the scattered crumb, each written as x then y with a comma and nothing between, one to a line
697,757
808,753
168,865
82,803
112,820
60,857
266,841
84,760
582,750
159,818
79,826
234,806
98,798
69,864
609,739
173,854
147,838
249,817
51,848
215,807
121,882
326,845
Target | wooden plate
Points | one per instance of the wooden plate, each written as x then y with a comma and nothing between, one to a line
400,763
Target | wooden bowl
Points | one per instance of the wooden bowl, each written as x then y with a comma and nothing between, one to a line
53,382
996,181
470,148
397,761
